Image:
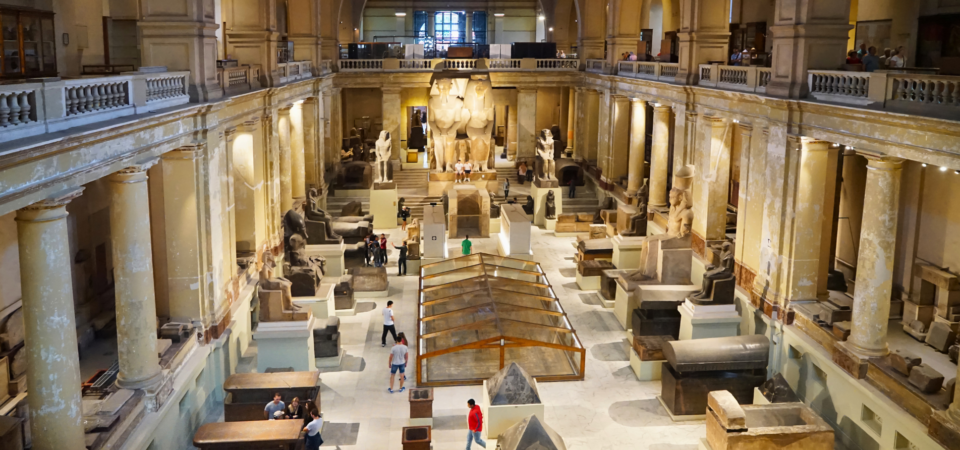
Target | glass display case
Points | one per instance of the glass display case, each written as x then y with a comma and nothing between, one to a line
479,313
29,45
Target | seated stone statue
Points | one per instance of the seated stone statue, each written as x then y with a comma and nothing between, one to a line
606,204
319,226
679,227
714,275
637,223
276,300
304,273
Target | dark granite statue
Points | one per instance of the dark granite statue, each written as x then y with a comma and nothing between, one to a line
717,273
319,226
528,208
326,340
551,206
637,223
607,204
303,272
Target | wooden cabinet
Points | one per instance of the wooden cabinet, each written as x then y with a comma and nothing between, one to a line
29,43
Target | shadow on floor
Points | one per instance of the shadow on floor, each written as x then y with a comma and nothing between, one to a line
611,351
568,272
349,363
636,413
592,299
340,433
363,307
448,422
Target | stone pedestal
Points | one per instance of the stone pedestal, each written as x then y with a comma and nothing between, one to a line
626,251
321,305
708,321
514,237
440,182
539,195
285,344
498,418
383,206
626,301
333,253
645,370
434,232
588,283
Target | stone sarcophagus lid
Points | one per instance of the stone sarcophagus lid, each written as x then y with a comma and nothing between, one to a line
529,434
697,367
781,426
421,403
249,435
248,393
326,340
368,279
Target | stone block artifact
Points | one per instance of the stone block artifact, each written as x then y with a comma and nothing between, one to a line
326,340
530,434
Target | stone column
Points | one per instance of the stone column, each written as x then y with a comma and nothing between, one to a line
133,273
746,180
527,123
580,124
712,182
392,113
660,156
182,38
620,138
638,141
297,167
53,363
590,116
331,112
285,159
704,36
312,132
878,239
806,36
304,32
572,126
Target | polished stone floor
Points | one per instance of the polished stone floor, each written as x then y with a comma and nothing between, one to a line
609,410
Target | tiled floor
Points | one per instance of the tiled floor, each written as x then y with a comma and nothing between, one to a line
610,409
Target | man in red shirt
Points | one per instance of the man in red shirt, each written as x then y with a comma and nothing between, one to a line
383,249
475,422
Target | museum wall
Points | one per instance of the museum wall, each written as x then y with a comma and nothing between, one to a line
9,261
358,103
909,218
548,109
91,251
851,213
345,30
158,240
384,22
410,97
939,233
519,25
504,98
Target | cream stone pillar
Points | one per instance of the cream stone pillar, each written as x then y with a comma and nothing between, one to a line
133,274
878,239
806,36
312,141
623,19
527,123
704,36
604,136
660,156
249,188
619,139
747,180
329,27
572,126
303,29
285,159
713,182
297,168
331,112
182,38
802,262
53,363
392,112
638,141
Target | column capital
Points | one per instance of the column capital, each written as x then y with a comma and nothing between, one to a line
746,129
190,151
134,173
666,108
638,100
285,110
228,134
880,162
691,115
809,144
251,125
51,208
391,90
311,99
715,121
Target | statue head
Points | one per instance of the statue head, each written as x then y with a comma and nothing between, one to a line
679,197
444,85
384,135
545,134
480,89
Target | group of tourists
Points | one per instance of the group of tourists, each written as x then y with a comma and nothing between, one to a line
277,410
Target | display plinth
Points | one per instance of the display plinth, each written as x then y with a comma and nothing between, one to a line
551,224
626,251
468,211
514,237
383,206
496,419
645,370
677,418
335,266
440,182
365,294
495,225
330,361
321,305
285,345
434,226
626,301
539,195
708,321
588,283
413,266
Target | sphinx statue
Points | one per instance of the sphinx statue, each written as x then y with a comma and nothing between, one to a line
318,224
479,105
545,150
715,274
303,272
274,294
551,206
637,223
446,114
383,149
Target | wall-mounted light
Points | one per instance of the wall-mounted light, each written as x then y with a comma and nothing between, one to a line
924,164
956,172
542,17
656,105
551,29
400,14
498,14
943,169
736,120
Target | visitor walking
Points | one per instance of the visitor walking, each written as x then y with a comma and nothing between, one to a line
314,441
366,251
383,249
466,246
573,188
270,411
404,215
522,173
388,324
506,188
475,422
399,355
402,262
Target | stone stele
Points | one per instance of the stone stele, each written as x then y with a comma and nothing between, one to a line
512,386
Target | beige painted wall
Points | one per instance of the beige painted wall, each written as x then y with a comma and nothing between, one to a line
9,261
939,234
507,116
548,108
851,210
358,103
410,97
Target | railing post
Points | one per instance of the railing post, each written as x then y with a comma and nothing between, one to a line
880,87
752,77
714,74
528,64
138,90
54,103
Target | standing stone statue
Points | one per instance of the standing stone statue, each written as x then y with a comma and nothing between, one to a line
479,107
383,146
551,206
545,150
446,114
715,273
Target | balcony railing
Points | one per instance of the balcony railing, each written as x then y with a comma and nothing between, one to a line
648,70
735,78
480,64
598,66
293,71
52,104
558,64
908,92
235,80
361,65
416,65
505,64
459,64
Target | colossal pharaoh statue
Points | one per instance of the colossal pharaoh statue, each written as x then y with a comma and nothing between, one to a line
383,149
444,117
478,115
545,150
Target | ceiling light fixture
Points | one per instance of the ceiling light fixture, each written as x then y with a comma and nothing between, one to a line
400,14
943,169
498,14
542,17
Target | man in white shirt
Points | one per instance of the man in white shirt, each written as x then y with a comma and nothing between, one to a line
388,324
458,167
398,362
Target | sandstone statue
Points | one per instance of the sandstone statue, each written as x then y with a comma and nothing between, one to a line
444,118
545,150
383,149
479,105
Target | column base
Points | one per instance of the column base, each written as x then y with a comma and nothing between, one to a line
945,429
149,382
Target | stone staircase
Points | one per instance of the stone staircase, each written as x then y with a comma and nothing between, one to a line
336,204
411,178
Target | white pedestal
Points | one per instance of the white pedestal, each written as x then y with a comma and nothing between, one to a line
367,294
496,419
383,206
645,370
540,203
434,232
514,237
322,305
626,251
551,224
588,283
708,321
333,253
494,226
503,249
413,267
623,307
285,344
